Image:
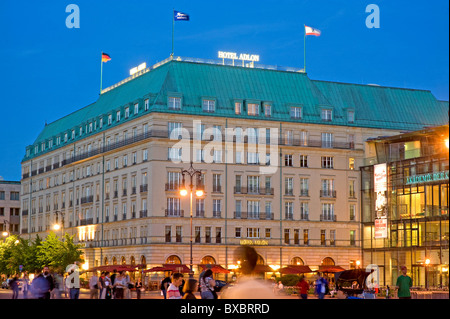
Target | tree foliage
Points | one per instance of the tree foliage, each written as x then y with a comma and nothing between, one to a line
33,255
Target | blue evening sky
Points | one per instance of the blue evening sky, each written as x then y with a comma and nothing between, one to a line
49,70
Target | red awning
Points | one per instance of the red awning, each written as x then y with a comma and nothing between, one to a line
295,269
157,269
330,269
177,268
214,268
262,268
111,268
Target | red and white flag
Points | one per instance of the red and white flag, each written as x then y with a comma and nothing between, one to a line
311,31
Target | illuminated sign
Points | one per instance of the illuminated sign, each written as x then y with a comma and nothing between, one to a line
257,242
427,178
381,228
380,178
235,56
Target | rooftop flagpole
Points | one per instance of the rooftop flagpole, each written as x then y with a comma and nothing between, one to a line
173,30
304,48
101,72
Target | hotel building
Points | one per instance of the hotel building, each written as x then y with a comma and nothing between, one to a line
9,207
287,181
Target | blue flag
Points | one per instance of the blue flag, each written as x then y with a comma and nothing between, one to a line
180,16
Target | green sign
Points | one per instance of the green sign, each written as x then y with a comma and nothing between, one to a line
427,178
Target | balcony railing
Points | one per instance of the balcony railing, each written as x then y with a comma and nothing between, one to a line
328,193
143,214
327,218
174,213
87,199
253,215
144,188
253,190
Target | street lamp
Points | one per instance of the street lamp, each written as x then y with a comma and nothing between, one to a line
57,226
427,263
191,172
7,229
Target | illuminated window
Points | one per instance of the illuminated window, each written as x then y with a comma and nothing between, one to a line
351,163
252,109
267,110
238,108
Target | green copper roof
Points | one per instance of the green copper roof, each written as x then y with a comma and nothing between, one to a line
373,106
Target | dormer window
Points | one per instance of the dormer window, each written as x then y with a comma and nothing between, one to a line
174,103
252,109
296,113
327,115
209,106
118,116
351,116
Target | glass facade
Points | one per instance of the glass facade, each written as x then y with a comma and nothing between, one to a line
417,210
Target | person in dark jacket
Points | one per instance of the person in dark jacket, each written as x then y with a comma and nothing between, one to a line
46,289
14,284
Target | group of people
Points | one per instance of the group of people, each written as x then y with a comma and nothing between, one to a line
117,285
175,287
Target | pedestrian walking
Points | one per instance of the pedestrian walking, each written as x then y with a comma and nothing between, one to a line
94,286
404,284
190,287
303,288
207,285
113,280
128,286
388,292
165,285
59,286
14,284
139,287
173,292
321,287
25,285
73,281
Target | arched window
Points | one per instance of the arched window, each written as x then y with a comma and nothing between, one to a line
123,261
173,260
297,261
114,261
132,261
328,262
105,261
143,260
208,260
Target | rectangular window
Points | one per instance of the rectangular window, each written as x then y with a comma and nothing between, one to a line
168,234
253,184
218,235
109,119
238,232
327,140
288,160
327,212
289,137
351,164
304,161
289,186
351,189
209,106
350,116
296,113
127,112
296,236
326,115
304,211
289,211
200,207
323,238
287,234
305,236
178,234
146,104
253,209
332,237
268,232
118,116
267,110
327,161
238,108
252,232
352,238
352,212
136,108
198,234
217,186
174,103
217,203
252,109
208,235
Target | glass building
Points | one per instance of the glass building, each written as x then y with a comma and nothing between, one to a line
405,207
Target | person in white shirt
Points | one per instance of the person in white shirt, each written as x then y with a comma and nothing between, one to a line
174,291
93,286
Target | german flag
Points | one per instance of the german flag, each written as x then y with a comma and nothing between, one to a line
105,57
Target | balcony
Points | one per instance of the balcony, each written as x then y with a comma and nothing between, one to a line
174,213
143,213
217,189
87,199
25,212
327,193
144,188
327,218
217,214
254,215
304,193
172,187
253,190
200,213
88,221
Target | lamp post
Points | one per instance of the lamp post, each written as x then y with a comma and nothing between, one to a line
427,263
57,226
7,229
191,172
